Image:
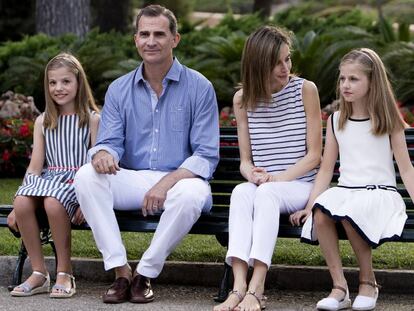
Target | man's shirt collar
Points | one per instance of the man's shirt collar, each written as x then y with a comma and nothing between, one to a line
172,74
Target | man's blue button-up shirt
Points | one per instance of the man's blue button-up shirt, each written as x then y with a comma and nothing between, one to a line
181,131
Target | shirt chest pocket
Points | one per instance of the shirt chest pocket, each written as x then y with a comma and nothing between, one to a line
180,118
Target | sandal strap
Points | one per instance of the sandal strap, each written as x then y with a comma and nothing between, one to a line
66,274
370,283
340,288
25,286
72,279
237,293
260,299
41,273
61,287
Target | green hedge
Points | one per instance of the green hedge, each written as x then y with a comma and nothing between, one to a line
323,35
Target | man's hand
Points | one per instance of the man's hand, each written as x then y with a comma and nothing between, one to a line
154,199
104,163
11,221
78,218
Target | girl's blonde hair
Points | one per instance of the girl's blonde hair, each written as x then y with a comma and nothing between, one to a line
260,56
381,104
84,100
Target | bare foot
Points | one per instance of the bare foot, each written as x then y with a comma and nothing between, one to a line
233,299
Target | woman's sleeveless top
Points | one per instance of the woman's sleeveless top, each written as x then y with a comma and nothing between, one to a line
278,131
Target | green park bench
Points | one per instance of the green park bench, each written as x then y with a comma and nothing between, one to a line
226,177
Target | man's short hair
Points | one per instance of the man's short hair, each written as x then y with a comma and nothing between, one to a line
156,10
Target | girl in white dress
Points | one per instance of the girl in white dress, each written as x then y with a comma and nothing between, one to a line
366,133
61,138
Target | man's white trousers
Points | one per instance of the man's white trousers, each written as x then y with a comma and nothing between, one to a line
99,194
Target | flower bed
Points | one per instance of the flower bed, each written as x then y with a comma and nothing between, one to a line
17,115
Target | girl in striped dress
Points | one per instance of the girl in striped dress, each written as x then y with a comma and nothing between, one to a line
62,136
366,133
279,131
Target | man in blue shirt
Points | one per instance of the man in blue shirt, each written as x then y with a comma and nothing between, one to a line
157,147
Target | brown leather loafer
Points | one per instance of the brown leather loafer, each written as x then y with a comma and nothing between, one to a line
118,292
141,291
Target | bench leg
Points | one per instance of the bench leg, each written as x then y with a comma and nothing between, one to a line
224,284
18,271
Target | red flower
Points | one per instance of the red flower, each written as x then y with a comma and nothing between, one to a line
324,115
6,155
24,130
224,116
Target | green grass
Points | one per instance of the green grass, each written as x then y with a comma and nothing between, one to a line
205,248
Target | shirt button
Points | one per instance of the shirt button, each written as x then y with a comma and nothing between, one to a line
156,130
155,149
156,110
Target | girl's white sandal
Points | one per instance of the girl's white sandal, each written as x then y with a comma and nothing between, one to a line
332,304
62,291
28,290
365,302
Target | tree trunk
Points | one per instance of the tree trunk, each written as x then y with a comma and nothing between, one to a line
263,7
58,17
112,15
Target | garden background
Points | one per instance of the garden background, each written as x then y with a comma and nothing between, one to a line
323,32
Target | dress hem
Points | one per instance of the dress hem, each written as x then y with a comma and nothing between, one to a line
374,245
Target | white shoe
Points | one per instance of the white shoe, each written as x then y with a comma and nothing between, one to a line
365,302
331,304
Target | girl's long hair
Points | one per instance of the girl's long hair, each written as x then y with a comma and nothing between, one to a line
84,101
381,103
259,58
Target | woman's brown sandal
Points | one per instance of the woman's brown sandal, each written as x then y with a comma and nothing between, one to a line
260,299
237,293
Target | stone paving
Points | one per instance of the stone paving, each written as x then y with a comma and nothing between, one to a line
170,297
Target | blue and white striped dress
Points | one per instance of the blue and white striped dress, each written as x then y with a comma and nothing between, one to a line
66,151
278,131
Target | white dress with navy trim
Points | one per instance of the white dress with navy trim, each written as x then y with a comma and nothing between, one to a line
366,193
66,151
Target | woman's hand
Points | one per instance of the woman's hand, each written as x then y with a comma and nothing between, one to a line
253,174
261,176
11,221
299,217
